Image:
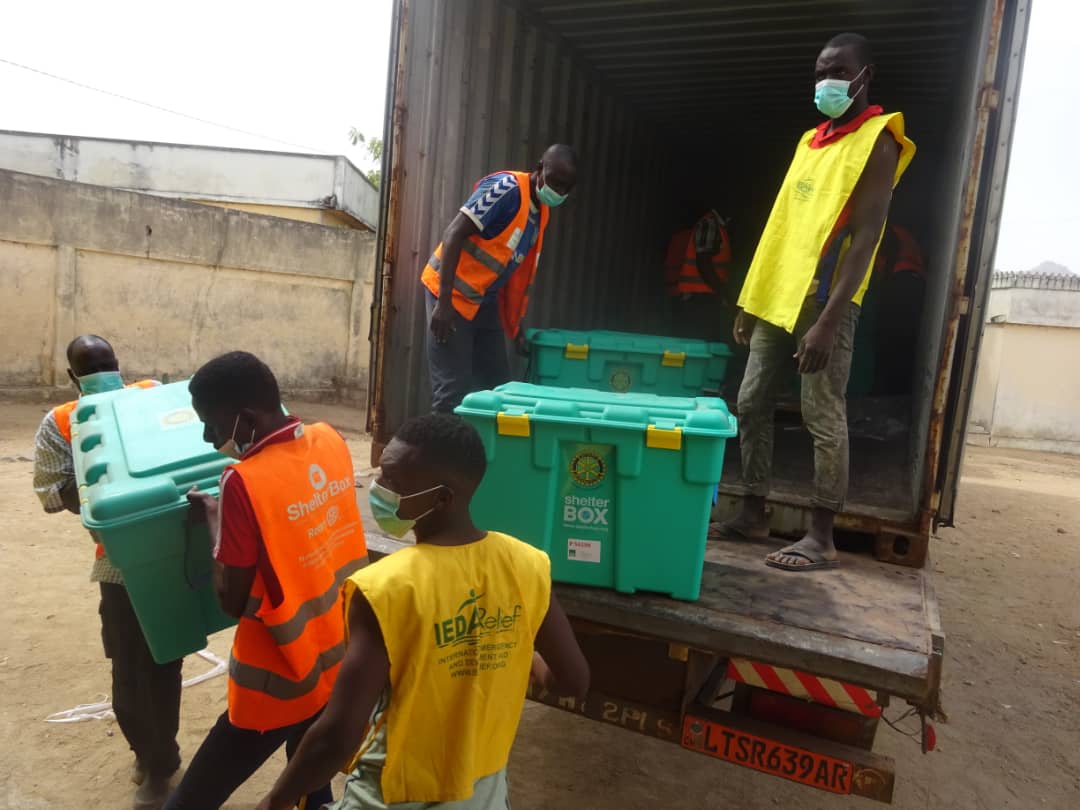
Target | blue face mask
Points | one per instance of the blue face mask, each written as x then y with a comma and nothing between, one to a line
550,197
101,382
385,505
831,95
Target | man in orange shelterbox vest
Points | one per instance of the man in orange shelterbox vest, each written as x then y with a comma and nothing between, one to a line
286,535
145,694
477,282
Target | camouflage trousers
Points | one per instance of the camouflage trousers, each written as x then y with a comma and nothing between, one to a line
824,405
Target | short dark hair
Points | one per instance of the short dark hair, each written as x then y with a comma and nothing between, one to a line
236,380
83,341
859,44
563,153
448,443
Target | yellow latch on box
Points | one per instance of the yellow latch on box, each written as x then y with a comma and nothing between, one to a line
575,352
513,424
663,439
674,359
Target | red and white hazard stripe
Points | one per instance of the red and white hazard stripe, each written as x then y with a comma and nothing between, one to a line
825,691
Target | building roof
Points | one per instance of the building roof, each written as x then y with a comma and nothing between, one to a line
210,173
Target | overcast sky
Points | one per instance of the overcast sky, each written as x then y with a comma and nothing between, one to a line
302,77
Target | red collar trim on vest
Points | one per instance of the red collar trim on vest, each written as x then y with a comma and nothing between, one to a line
823,138
293,429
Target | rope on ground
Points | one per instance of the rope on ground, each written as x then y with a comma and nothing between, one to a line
102,710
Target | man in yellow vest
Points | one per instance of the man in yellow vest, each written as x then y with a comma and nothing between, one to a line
804,287
286,534
477,281
145,694
441,643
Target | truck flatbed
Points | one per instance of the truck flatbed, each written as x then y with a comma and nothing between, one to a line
863,622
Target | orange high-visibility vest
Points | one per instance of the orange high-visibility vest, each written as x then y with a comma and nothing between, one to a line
900,254
690,280
285,658
909,258
62,417
673,262
482,261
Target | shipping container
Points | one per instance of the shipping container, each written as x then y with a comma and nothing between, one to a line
674,102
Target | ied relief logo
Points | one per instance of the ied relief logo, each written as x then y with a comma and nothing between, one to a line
804,189
473,622
587,469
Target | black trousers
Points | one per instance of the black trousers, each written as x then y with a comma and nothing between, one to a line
228,757
145,694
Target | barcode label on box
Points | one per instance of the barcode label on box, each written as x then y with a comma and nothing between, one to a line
583,550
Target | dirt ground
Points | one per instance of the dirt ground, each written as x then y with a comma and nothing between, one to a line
1006,581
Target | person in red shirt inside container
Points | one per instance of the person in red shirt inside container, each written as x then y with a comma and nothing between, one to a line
287,534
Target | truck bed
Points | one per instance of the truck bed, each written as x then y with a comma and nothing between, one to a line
864,622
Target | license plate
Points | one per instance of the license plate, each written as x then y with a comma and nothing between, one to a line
768,756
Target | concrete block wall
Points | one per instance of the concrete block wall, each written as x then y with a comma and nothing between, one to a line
172,284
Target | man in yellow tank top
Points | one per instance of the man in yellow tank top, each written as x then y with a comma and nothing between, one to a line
441,639
804,287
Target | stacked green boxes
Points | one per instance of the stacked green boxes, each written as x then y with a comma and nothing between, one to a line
624,362
616,488
137,453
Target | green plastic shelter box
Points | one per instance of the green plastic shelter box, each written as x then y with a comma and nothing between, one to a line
616,488
137,453
625,362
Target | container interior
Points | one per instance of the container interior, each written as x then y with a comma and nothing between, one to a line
673,106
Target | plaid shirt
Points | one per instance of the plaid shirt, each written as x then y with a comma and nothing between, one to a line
54,468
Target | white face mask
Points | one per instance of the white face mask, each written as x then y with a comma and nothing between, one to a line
233,448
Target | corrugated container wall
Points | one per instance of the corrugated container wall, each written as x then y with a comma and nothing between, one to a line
468,64
676,105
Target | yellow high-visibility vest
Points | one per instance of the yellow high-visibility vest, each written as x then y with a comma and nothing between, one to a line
458,623
814,193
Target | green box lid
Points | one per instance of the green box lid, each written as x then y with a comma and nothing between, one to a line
139,451
703,416
630,342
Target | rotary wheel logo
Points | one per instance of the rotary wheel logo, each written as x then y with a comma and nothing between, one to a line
331,516
620,381
587,469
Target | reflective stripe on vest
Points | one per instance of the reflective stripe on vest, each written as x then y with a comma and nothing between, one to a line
290,630
690,280
484,261
285,657
278,686
462,286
